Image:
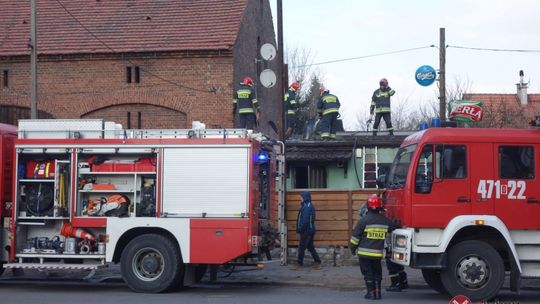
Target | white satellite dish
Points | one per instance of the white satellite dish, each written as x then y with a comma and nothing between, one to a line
268,51
268,78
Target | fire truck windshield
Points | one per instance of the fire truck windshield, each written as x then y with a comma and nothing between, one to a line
398,171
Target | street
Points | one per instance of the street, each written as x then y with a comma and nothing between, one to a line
275,284
32,292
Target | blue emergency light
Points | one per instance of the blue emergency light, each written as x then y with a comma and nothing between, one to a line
262,157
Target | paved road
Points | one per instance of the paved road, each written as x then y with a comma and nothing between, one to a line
55,292
276,284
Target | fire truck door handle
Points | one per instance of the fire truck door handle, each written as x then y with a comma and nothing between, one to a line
463,199
533,200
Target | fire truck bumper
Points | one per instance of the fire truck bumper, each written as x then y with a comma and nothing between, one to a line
429,260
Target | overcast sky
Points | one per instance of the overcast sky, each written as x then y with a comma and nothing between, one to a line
341,29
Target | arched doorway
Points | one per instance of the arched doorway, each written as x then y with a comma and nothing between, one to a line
141,116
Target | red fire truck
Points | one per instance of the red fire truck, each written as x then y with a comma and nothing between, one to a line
469,204
164,204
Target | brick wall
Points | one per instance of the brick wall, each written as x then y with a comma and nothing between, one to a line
175,87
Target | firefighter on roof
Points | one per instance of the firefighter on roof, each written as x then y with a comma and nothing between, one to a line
290,106
367,241
328,109
380,104
245,101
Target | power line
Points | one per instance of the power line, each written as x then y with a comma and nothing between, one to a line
133,63
491,49
365,56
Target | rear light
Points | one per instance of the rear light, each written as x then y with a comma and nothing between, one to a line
253,241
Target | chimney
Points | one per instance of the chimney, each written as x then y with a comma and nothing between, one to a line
522,89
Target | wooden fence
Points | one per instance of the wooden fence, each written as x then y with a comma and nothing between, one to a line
337,213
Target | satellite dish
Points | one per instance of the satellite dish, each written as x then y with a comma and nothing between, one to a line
268,51
268,78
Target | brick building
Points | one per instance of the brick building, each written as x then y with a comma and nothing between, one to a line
141,63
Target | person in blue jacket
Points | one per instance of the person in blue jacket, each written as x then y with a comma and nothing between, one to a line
305,226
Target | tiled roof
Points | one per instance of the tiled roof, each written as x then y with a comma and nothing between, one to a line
123,25
501,98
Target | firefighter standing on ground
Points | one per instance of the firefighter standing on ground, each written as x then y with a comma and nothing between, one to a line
380,104
291,106
367,241
245,101
396,272
328,109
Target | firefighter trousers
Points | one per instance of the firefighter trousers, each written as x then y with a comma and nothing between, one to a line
329,125
247,121
371,269
387,119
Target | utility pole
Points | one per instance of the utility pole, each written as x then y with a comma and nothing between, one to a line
33,60
442,75
282,199
280,67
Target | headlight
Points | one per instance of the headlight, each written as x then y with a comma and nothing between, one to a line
400,241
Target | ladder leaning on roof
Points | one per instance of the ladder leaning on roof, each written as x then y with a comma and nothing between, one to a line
370,165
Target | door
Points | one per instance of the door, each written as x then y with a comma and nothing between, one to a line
482,170
516,191
442,185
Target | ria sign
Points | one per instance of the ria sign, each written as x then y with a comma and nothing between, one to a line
425,75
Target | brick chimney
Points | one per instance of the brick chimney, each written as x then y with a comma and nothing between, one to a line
522,89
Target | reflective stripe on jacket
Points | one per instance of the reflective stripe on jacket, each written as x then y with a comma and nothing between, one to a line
327,104
380,101
369,235
245,100
290,101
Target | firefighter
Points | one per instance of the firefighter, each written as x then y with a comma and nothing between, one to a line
328,109
396,272
290,107
367,241
245,101
380,104
305,226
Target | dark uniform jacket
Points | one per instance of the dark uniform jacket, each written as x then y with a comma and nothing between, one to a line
245,100
370,233
380,102
290,102
327,104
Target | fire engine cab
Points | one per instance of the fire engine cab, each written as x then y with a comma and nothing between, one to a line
163,204
468,201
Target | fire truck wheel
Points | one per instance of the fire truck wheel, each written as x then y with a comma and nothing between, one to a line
433,279
151,263
475,270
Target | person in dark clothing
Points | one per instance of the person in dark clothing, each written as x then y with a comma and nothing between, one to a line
245,101
398,276
380,104
367,241
328,109
305,226
396,272
290,107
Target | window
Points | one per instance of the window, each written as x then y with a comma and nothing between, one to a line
452,161
310,177
128,74
5,80
137,74
516,162
133,74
